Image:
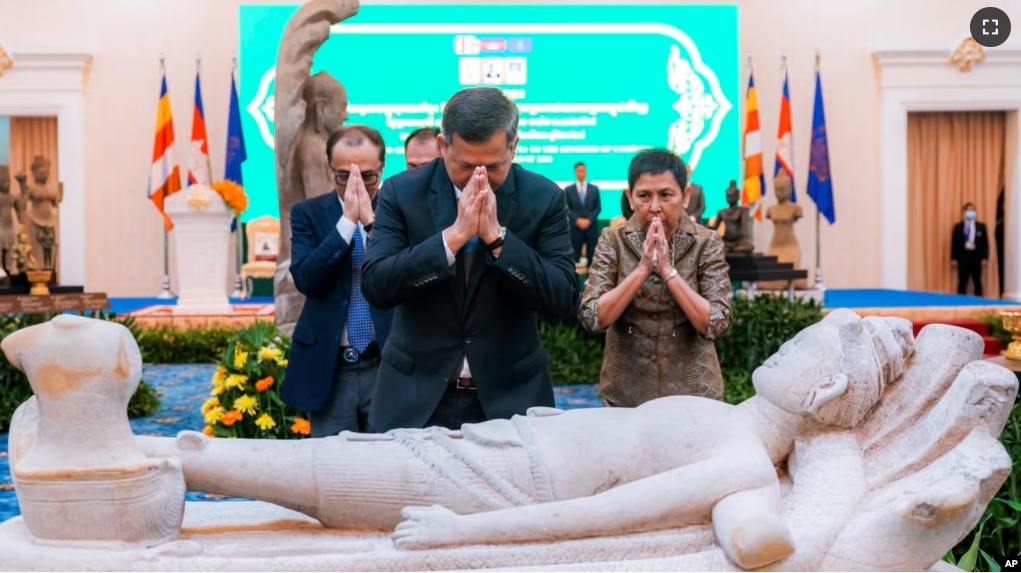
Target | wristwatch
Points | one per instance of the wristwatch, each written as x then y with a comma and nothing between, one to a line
499,240
673,273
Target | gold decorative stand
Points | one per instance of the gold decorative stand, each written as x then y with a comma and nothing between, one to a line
1012,324
40,282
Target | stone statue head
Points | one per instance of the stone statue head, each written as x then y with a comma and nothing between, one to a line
733,194
325,103
782,187
835,371
5,179
40,169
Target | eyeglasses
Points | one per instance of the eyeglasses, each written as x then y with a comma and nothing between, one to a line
342,175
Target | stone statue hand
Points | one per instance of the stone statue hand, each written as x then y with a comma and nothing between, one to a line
429,528
351,196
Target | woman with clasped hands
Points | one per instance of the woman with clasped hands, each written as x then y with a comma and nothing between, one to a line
658,286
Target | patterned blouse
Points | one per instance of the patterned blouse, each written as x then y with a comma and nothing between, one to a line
652,350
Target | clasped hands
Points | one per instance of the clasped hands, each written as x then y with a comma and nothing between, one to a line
357,203
476,214
655,252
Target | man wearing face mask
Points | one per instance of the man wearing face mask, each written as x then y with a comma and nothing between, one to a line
331,370
469,250
969,250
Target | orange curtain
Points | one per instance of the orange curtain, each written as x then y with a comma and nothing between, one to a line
953,158
31,136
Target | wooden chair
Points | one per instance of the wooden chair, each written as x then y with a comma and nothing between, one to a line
263,234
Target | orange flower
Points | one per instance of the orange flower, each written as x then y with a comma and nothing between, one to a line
264,384
233,195
209,431
300,426
231,416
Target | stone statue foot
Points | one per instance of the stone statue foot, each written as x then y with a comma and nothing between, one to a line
429,528
760,540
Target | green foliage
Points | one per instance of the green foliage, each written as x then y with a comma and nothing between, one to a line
997,532
575,357
172,345
758,327
145,401
996,329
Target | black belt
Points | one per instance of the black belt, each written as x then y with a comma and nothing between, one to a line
351,356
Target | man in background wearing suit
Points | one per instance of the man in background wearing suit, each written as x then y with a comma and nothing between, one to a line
469,250
583,202
331,370
421,147
969,250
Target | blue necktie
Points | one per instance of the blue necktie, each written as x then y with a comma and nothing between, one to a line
359,318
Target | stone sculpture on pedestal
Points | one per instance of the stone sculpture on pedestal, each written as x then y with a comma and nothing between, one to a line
10,209
864,448
40,216
784,245
308,108
735,224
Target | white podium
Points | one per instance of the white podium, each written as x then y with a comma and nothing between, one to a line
202,237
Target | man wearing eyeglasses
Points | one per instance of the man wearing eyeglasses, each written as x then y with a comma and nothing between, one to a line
331,371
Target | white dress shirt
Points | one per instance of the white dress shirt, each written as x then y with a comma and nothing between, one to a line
582,189
347,231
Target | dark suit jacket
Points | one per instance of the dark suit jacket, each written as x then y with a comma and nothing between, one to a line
321,267
439,319
589,210
958,240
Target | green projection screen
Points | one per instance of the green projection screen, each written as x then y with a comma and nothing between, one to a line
593,83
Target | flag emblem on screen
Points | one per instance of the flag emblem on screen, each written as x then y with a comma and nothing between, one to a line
493,45
466,45
519,45
516,71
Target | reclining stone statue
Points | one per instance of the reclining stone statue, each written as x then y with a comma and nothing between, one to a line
863,448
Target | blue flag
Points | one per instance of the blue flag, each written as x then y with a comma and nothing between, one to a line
820,186
236,154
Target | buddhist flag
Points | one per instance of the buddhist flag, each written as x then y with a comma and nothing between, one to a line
198,152
784,142
754,182
164,176
820,186
236,153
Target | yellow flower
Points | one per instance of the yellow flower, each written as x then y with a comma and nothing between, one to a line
236,381
266,422
217,390
240,358
218,378
282,362
267,353
210,404
247,404
214,415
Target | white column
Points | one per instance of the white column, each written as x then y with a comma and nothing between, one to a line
71,157
1012,208
893,194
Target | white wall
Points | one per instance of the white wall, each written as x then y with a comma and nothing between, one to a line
126,38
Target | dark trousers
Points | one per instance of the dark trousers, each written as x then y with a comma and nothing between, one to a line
969,270
589,237
457,407
348,406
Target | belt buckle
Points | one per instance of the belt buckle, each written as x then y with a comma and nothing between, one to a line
464,383
350,355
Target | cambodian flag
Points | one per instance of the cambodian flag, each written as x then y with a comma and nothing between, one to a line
199,170
784,143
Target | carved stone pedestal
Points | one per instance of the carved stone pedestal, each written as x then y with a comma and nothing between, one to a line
202,237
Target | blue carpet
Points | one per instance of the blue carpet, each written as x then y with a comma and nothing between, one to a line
886,298
125,305
183,388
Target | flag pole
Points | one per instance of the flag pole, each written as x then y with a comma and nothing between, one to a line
819,286
165,292
237,293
